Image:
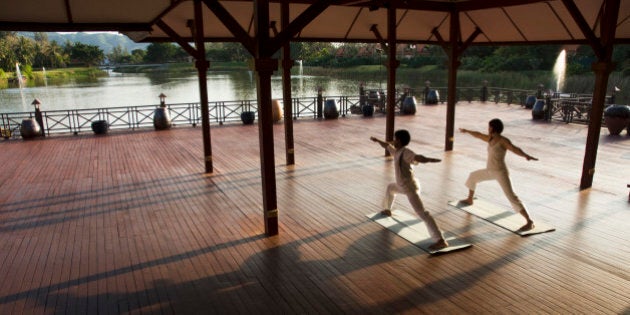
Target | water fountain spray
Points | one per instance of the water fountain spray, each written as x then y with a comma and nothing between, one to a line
559,70
20,80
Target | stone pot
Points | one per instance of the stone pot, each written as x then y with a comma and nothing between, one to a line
538,110
368,110
248,117
530,101
617,118
276,110
100,127
330,109
408,106
161,119
30,129
616,125
433,97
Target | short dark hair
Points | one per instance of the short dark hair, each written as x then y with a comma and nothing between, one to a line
497,125
403,136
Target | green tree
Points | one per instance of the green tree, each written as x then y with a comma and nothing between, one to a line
119,55
25,51
15,49
56,56
7,55
138,55
159,52
311,51
87,54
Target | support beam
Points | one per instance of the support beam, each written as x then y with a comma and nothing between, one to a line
602,68
202,69
297,25
392,64
262,47
232,25
379,37
585,28
178,39
265,66
453,64
453,50
287,64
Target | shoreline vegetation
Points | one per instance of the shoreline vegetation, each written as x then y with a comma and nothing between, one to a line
526,80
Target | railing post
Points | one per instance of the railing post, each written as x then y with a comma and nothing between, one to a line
320,102
539,92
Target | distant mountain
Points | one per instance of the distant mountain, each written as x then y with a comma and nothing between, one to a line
105,41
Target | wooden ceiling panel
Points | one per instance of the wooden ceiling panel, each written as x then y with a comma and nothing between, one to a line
496,26
336,22
528,20
418,25
116,11
23,11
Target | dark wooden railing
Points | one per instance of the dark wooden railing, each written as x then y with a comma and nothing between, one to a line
569,109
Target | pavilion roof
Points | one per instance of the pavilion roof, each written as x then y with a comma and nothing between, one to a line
499,22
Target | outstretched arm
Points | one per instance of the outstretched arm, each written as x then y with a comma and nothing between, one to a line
476,134
423,159
383,144
518,151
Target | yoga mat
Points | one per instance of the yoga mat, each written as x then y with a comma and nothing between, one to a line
411,228
503,217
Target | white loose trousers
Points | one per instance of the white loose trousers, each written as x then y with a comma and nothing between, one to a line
414,199
503,178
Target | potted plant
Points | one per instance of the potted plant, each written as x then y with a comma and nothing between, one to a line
247,115
616,118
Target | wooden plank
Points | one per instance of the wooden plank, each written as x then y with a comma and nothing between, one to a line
129,222
415,231
505,218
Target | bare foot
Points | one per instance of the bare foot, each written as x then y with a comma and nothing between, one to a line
387,212
528,226
467,201
438,245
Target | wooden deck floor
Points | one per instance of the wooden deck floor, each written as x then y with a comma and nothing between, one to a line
128,223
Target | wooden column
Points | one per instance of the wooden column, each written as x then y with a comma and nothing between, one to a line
603,48
287,64
602,71
202,69
392,64
453,64
265,66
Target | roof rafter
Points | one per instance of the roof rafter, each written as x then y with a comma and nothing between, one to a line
232,25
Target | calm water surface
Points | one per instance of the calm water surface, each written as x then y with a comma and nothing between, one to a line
143,89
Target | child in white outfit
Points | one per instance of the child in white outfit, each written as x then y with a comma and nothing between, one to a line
407,184
497,169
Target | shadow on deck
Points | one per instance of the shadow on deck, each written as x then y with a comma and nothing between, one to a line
128,223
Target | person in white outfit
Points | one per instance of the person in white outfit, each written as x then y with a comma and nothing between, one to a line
407,184
496,169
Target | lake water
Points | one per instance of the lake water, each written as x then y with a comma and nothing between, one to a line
143,89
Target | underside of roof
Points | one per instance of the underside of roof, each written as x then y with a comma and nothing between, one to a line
495,22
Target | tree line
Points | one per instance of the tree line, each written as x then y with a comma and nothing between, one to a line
39,52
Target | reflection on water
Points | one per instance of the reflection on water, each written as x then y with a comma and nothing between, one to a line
118,90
